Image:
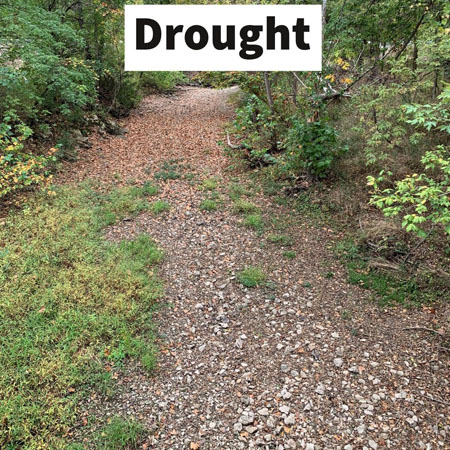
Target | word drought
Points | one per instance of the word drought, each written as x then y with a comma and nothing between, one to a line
249,33
223,37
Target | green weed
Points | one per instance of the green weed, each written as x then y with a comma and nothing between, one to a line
254,221
120,434
242,206
209,184
388,288
169,170
289,254
252,277
149,188
208,205
159,207
120,203
236,191
280,239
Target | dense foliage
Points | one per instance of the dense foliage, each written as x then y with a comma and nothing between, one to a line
59,61
379,105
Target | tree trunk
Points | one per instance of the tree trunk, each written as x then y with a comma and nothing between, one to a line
268,91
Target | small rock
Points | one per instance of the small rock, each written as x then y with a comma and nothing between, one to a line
271,422
373,444
247,418
237,427
291,444
412,421
320,389
286,394
338,362
290,419
263,412
285,409
361,429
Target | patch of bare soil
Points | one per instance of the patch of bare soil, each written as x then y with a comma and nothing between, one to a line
306,361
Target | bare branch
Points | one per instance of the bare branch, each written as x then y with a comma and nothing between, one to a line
416,29
236,147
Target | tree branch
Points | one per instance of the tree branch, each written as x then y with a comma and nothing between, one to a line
416,29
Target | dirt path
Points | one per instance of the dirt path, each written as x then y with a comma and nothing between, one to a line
306,362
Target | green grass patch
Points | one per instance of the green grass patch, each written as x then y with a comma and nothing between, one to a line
149,188
122,202
120,434
280,239
289,254
170,170
208,205
189,176
73,308
270,186
242,206
254,221
252,277
236,191
159,207
209,184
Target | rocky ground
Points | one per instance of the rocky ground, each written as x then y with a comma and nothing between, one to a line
305,361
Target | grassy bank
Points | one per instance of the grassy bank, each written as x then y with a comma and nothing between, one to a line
73,307
375,251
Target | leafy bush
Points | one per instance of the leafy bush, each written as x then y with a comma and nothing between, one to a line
422,199
258,129
162,81
20,170
312,146
44,75
129,93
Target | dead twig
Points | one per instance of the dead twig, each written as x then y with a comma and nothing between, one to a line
430,330
237,147
384,265
442,402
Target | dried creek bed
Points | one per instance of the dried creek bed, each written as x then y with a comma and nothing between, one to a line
307,362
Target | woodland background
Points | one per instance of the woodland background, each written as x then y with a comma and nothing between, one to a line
379,109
